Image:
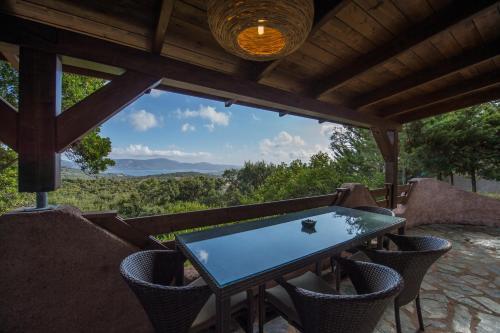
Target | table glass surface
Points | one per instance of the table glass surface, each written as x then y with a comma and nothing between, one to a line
239,251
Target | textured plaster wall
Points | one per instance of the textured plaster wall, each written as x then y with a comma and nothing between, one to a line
433,201
60,273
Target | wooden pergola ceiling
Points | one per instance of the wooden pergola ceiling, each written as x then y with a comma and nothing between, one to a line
369,63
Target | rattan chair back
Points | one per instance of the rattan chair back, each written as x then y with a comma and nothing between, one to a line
376,285
378,210
150,275
412,260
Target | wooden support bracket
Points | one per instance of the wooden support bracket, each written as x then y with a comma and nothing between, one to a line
8,124
92,111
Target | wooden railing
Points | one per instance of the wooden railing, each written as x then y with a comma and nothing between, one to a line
382,195
137,230
161,224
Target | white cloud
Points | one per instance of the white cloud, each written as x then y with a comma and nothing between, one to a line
142,120
208,113
143,151
327,129
187,127
254,117
156,93
286,147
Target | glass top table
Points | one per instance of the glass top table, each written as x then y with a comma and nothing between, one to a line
237,252
238,257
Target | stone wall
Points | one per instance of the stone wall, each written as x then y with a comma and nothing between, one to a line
60,273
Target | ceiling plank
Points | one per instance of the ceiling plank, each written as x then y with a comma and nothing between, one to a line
439,70
474,98
160,32
455,13
324,11
95,109
9,124
462,88
179,74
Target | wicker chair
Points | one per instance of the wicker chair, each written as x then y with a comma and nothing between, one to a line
354,253
412,260
173,309
312,306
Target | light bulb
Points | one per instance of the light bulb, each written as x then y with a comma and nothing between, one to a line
260,29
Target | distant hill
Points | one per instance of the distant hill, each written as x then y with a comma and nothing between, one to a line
167,165
156,166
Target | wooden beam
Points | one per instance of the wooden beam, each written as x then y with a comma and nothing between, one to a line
474,98
454,13
438,71
11,54
95,109
463,87
40,78
388,143
324,11
8,124
179,74
166,7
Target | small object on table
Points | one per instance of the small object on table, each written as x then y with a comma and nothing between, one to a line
308,223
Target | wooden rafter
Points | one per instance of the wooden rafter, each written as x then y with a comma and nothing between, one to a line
10,53
455,13
166,7
474,98
92,111
463,87
439,70
9,124
179,74
324,11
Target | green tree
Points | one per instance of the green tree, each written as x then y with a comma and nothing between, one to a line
465,141
90,153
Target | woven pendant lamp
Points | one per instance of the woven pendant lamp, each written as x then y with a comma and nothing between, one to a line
260,30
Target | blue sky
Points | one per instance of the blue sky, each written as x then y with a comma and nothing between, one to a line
191,129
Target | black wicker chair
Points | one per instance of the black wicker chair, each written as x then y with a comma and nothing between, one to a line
353,253
312,306
412,260
173,309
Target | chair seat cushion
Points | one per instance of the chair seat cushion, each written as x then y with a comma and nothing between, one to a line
206,317
282,300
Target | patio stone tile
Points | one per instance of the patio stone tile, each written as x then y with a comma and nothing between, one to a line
460,293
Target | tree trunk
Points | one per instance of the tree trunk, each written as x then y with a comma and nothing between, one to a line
440,176
473,180
452,181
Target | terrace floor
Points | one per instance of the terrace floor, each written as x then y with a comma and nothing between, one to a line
461,292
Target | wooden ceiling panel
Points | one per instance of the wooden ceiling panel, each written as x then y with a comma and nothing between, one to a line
357,19
466,35
414,10
386,14
76,23
439,4
329,43
348,36
190,13
197,40
446,44
488,23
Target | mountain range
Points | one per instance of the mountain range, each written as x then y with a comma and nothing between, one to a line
157,165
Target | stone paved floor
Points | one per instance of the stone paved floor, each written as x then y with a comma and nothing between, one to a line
460,293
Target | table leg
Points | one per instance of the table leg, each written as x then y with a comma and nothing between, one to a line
262,307
401,231
223,316
380,242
